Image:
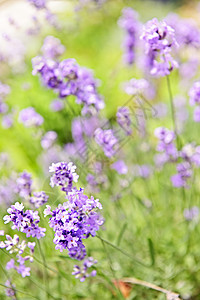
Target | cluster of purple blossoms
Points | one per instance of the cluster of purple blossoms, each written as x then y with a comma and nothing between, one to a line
10,290
13,245
166,143
83,129
184,172
64,175
48,139
143,171
97,179
57,105
30,118
194,95
190,154
24,221
39,4
120,167
159,39
52,47
191,213
82,273
187,31
129,22
7,119
24,185
39,198
124,120
68,78
139,87
74,221
107,140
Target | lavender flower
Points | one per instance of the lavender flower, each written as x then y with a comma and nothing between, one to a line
120,167
52,47
38,199
48,139
24,183
24,221
129,22
124,120
10,290
166,143
30,118
64,175
13,245
4,90
191,213
57,105
39,4
82,273
187,31
74,221
68,78
194,93
159,39
107,140
184,173
7,121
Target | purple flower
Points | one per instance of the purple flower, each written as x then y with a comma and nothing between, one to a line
120,167
3,108
187,31
184,173
24,221
7,121
4,90
48,139
13,245
38,199
24,183
194,93
159,39
64,175
123,119
138,87
107,140
30,118
143,171
10,290
82,273
197,114
52,47
74,221
166,143
129,22
39,4
68,78
57,105
191,213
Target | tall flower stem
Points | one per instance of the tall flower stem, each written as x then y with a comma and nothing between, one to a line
173,112
113,273
46,281
122,251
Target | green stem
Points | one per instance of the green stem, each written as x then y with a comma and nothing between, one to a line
42,288
111,268
122,251
173,112
19,291
46,281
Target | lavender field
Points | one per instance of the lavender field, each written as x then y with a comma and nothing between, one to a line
99,149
